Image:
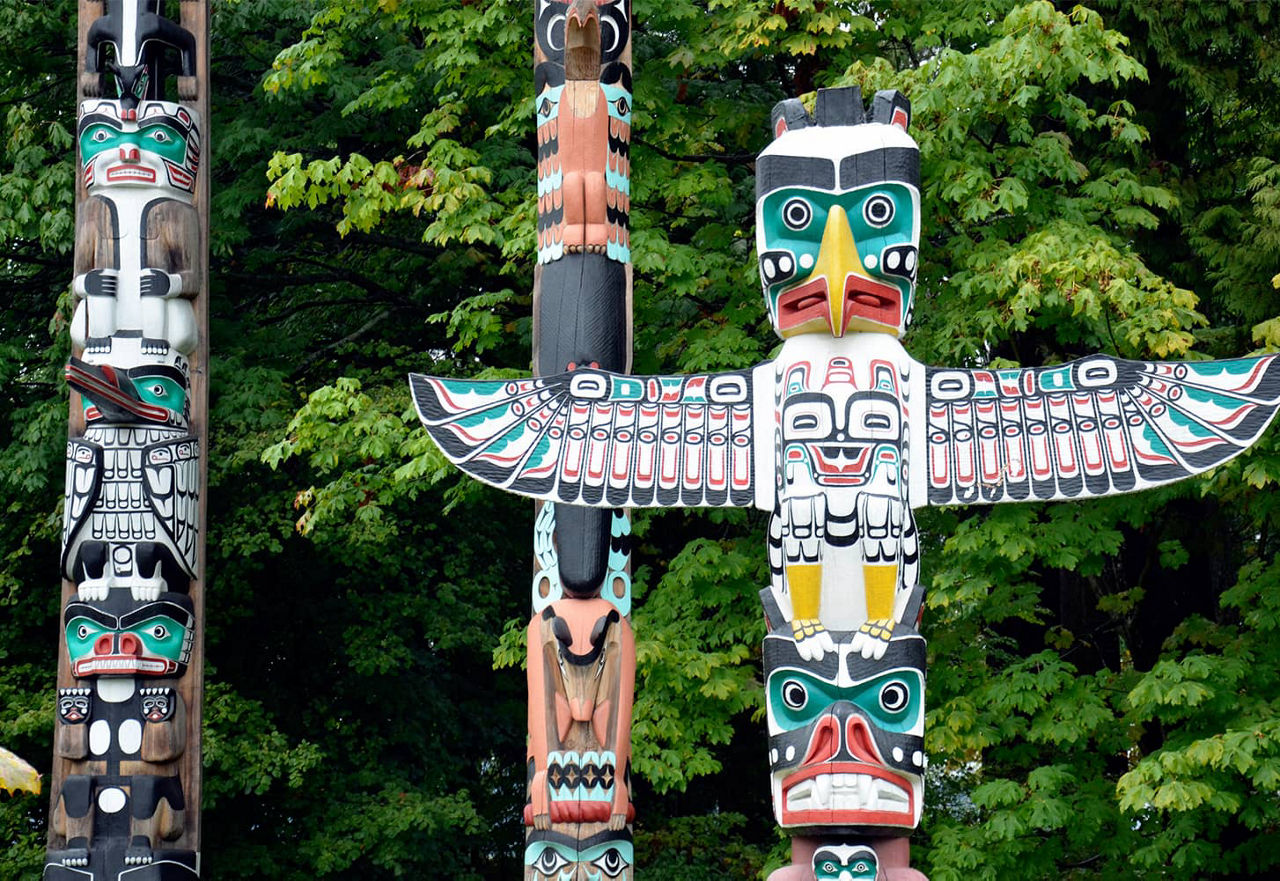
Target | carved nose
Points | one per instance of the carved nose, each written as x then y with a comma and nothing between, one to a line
103,644
130,644
824,743
860,742
129,154
581,709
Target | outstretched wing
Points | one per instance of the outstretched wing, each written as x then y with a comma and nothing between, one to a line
596,438
1093,427
171,484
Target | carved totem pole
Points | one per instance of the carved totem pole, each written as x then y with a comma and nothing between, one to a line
840,437
581,654
126,778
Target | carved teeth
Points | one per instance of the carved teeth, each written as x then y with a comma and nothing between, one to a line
848,792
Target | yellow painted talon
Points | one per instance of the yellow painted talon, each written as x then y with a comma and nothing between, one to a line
880,628
805,628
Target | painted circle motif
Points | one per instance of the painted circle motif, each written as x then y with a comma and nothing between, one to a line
878,210
797,214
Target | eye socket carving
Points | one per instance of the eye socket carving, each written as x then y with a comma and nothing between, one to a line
794,694
796,214
555,33
549,862
611,863
894,696
874,421
878,210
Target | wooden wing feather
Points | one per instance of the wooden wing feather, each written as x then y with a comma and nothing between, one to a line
171,484
1093,427
596,438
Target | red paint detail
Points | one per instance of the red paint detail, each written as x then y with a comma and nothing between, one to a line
824,743
900,118
859,740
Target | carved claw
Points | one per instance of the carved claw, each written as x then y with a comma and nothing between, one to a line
188,90
812,639
872,638
91,85
94,590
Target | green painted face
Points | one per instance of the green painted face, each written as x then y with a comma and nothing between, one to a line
156,137
808,234
892,701
154,640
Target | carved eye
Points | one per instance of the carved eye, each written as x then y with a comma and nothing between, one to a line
623,107
878,210
100,135
555,32
160,136
894,696
159,631
158,390
804,422
794,694
545,108
796,214
829,868
861,866
549,862
873,421
611,863
82,631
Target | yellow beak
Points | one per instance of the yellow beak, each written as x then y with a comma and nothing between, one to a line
837,258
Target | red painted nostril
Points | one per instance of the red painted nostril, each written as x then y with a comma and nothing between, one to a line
130,644
825,741
103,644
861,743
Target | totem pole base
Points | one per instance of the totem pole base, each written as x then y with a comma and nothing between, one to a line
893,854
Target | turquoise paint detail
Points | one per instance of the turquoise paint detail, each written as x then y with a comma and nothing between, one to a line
550,100
618,252
820,694
611,858
160,637
617,180
550,183
1056,380
617,97
158,138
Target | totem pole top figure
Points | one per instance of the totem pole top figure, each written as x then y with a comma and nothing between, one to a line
838,216
840,437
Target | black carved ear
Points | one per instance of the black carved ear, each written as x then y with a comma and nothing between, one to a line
787,115
891,107
841,106
564,636
602,628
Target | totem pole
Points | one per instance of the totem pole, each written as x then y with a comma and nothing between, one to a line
581,654
840,437
126,777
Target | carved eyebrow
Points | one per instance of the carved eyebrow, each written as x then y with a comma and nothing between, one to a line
775,172
900,164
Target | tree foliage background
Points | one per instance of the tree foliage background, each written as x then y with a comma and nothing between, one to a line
1104,684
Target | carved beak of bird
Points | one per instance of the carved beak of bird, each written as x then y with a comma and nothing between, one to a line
854,300
582,41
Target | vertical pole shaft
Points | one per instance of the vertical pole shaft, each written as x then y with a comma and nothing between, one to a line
581,663
125,795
